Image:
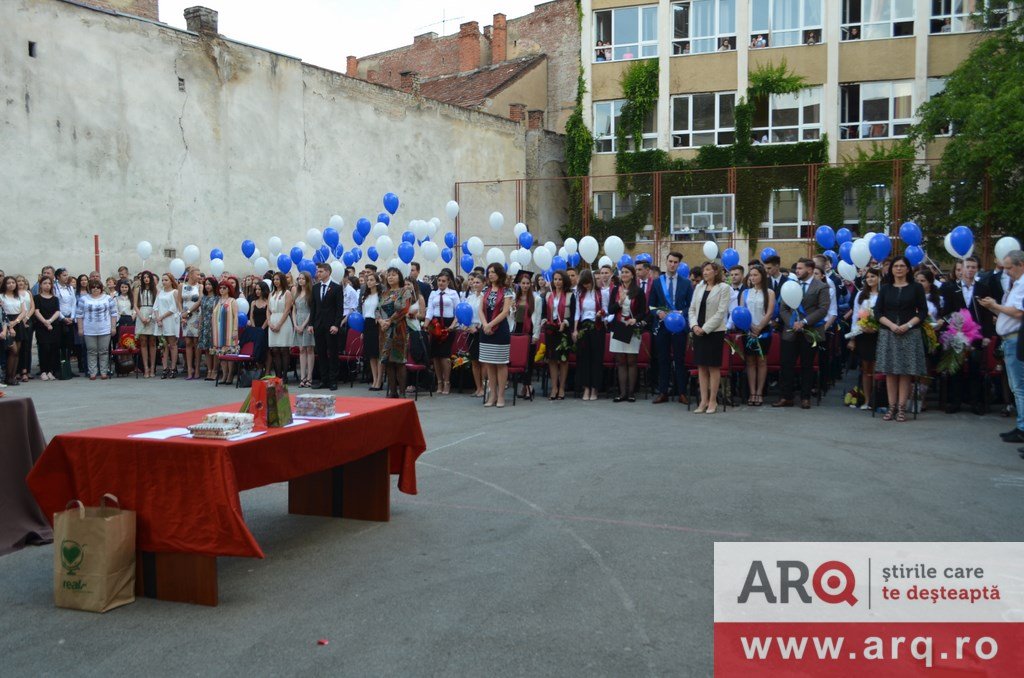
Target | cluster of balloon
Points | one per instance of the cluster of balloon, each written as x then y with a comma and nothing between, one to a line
959,242
911,234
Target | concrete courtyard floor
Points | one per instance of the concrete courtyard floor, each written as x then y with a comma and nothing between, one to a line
562,538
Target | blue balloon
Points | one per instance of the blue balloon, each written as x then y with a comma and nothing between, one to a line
331,237
625,260
308,266
730,258
420,242
844,252
358,237
339,251
844,235
832,256
674,322
296,254
961,239
465,248
880,246
825,237
215,253
447,254
548,275
371,252
318,257
741,318
406,251
391,202
450,240
356,321
467,263
574,259
915,254
357,254
648,259
384,218
348,259
409,237
364,226
284,263
768,252
324,251
464,313
558,263
683,270
911,234
243,319
526,240
248,248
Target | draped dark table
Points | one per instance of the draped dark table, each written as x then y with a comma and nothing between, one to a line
21,443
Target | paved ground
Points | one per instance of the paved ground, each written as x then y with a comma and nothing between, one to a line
562,538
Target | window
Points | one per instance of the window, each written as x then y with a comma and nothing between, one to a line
606,122
696,214
626,33
955,16
869,19
876,110
609,204
876,217
786,118
32,49
786,217
781,23
703,26
703,120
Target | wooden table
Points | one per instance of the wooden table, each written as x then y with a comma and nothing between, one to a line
186,491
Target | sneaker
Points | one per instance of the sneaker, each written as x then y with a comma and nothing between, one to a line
1014,436
865,407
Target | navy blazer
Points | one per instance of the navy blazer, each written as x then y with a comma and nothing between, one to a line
684,293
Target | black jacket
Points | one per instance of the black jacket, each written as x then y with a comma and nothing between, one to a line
329,311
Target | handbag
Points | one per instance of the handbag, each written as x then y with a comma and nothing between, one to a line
622,332
64,371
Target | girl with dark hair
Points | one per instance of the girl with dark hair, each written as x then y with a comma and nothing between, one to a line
97,317
303,330
586,311
495,338
205,344
900,310
440,326
14,314
474,293
47,335
123,300
707,322
225,330
392,311
865,341
369,298
258,320
82,290
145,325
628,308
556,326
759,299
526,312
280,325
25,351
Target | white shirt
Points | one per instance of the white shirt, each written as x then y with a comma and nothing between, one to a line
968,292
451,300
734,301
370,305
350,301
473,299
67,299
1013,297
606,297
586,309
12,306
833,307
96,314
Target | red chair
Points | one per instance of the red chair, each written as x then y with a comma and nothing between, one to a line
352,353
723,374
518,361
417,369
293,359
643,361
125,331
242,358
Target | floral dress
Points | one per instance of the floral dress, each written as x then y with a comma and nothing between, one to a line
394,341
206,322
190,324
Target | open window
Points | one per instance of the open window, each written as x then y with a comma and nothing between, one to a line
876,110
626,33
873,19
703,26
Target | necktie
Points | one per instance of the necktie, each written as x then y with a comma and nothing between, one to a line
672,291
442,304
323,291
803,285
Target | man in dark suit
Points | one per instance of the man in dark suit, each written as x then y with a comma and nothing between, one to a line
414,275
673,292
326,315
814,308
956,296
773,265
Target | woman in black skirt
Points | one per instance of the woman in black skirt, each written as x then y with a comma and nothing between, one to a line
900,310
369,296
474,293
441,328
556,327
47,333
708,312
587,313
495,337
526,311
865,344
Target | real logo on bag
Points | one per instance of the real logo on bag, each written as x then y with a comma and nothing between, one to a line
71,555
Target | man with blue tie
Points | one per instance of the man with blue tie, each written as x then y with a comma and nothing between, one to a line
673,292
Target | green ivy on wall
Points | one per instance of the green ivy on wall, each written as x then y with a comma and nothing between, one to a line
579,146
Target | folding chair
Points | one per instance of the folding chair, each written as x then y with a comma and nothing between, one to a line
242,358
125,331
352,353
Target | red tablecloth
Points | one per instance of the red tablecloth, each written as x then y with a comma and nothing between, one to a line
186,490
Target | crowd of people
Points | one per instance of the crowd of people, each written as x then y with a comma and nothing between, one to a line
885,322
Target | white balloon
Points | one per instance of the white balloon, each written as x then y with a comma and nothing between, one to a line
552,247
302,246
385,247
144,249
848,271
379,229
274,245
588,248
430,251
452,209
337,271
564,253
792,294
336,222
314,237
868,236
432,227
177,267
605,261
524,256
1005,245
255,254
542,256
497,220
571,246
519,229
400,265
949,247
475,246
260,264
190,254
614,247
860,253
495,256
242,304
421,229
216,267
710,250
514,268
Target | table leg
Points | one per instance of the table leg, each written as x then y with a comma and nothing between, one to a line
178,577
360,489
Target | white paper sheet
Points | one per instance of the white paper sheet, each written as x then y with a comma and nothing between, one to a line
336,415
234,438
162,434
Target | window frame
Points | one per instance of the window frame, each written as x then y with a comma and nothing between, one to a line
690,132
845,126
685,43
767,228
801,126
650,136
804,29
961,22
620,206
847,26
609,49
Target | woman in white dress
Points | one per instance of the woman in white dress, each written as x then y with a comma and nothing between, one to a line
145,325
279,324
190,299
166,317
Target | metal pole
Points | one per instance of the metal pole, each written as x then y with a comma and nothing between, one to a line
96,248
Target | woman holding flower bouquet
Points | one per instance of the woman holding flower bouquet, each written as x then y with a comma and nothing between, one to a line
759,299
707,320
526,312
628,309
865,332
900,309
441,325
556,339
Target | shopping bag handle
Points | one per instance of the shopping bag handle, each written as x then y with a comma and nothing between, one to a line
103,500
81,507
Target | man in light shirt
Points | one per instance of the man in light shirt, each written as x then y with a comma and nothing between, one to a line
1008,324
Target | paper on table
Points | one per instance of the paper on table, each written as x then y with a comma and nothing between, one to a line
336,415
295,422
162,434
234,438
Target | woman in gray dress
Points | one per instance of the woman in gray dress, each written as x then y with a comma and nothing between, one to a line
206,305
303,329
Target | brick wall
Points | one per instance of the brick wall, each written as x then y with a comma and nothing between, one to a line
551,29
429,56
147,9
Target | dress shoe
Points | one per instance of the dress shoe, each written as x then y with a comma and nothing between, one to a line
952,409
979,410
333,387
782,402
805,404
684,400
317,385
1014,436
660,399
